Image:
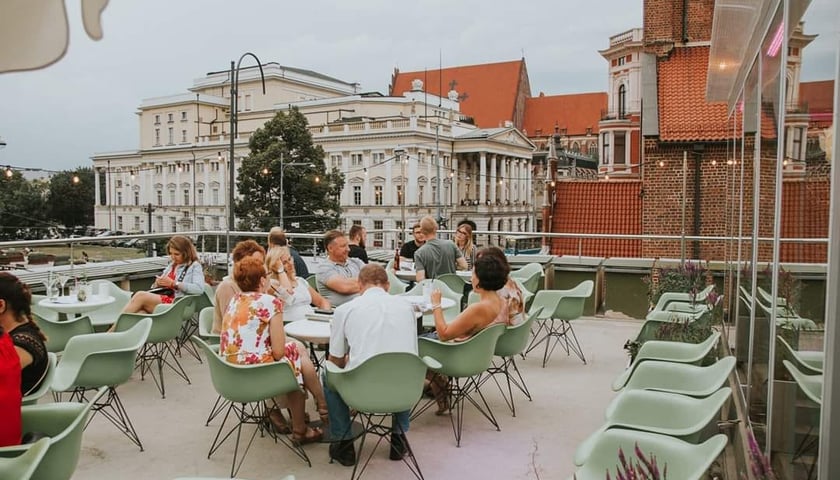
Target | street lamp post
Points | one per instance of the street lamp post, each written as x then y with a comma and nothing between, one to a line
282,191
193,192
398,153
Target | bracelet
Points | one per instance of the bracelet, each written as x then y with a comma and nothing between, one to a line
437,305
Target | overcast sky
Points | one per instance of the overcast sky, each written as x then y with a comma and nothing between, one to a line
56,118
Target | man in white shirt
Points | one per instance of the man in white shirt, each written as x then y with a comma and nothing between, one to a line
373,323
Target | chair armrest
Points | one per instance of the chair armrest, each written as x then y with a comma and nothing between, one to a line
431,362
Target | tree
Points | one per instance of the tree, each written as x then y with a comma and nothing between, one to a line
71,203
311,193
22,207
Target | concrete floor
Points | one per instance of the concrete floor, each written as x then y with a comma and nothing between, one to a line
539,443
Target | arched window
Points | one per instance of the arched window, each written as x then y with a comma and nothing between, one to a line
622,100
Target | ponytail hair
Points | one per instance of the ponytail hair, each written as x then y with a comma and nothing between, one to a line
18,298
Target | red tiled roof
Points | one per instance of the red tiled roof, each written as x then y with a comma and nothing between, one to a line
575,113
597,207
490,88
684,113
818,96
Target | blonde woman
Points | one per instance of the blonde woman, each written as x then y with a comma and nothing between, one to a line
297,295
464,242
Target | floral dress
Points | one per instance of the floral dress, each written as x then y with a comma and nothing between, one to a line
245,335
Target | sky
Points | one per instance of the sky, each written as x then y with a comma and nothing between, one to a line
57,118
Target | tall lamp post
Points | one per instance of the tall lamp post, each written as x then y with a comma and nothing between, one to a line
398,153
234,131
282,191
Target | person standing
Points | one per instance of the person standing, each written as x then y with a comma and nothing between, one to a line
358,236
338,277
436,256
409,248
373,323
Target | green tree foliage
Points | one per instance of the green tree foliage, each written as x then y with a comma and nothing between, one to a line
70,203
311,193
22,207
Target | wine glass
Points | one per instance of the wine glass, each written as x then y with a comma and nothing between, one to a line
62,281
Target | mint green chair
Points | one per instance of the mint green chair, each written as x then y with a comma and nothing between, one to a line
58,333
783,315
679,352
683,297
511,343
24,465
685,461
463,362
46,382
189,326
312,280
652,326
205,325
679,311
527,295
102,360
397,286
530,276
679,378
559,308
453,281
247,388
666,413
104,317
64,424
811,385
376,389
808,361
159,349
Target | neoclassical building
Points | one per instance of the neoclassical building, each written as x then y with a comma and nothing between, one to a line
403,156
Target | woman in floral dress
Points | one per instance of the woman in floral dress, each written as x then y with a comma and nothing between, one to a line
252,332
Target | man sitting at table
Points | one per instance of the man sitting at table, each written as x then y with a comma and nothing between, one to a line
373,323
436,256
409,248
338,276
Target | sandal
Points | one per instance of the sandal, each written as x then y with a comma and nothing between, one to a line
310,435
325,415
278,421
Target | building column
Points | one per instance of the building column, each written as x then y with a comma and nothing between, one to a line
494,180
505,177
482,178
454,182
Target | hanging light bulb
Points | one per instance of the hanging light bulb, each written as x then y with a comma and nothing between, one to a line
9,172
661,163
317,179
714,162
265,171
75,179
607,176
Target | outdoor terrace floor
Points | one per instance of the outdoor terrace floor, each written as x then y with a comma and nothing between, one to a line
569,402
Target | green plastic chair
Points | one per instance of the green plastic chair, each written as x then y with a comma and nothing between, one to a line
64,424
651,327
511,343
463,362
678,310
679,378
205,325
685,461
44,387
380,386
808,361
103,360
683,297
40,311
527,295
247,388
530,275
559,308
166,326
679,352
104,317
189,326
59,333
397,286
686,418
811,385
23,466
453,281
783,315
312,280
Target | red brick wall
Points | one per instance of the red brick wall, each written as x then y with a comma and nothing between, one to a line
805,207
663,23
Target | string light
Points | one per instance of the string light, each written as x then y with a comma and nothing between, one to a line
317,179
75,179
9,172
714,162
661,163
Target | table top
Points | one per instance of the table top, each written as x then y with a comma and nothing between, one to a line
422,304
70,304
309,331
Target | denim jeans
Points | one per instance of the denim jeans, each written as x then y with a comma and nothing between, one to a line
340,414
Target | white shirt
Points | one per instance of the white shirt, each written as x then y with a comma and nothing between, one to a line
373,323
298,304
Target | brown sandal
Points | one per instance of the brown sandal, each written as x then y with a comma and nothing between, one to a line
278,421
310,435
325,416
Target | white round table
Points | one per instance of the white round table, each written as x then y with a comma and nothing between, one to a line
407,275
423,305
309,331
70,305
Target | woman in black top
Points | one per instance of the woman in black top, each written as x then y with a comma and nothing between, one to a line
16,319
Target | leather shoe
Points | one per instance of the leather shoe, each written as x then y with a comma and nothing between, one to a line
398,446
343,452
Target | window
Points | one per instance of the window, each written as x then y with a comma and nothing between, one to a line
420,189
215,198
183,136
173,224
356,160
159,221
172,196
357,194
421,157
622,100
187,196
119,222
199,167
216,223
620,61
399,195
136,223
214,166
157,136
357,222
377,194
119,201
434,198
157,119
119,183
605,142
378,158
172,167
184,116
200,196
158,169
171,136
170,117
619,148
377,237
201,225
159,197
335,161
136,198
796,152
